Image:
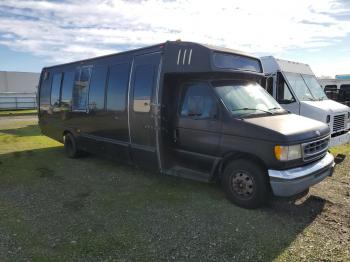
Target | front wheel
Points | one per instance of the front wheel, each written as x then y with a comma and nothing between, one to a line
245,183
70,146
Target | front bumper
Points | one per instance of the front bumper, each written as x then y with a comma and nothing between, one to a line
290,182
340,140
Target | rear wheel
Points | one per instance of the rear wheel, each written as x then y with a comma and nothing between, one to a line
70,146
245,183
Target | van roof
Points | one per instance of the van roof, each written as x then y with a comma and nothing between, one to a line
160,46
272,64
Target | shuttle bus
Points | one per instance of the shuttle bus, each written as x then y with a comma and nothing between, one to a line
337,89
188,110
296,88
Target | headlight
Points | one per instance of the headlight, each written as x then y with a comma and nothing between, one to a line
328,119
286,153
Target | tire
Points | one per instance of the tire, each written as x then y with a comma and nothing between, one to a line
245,184
70,146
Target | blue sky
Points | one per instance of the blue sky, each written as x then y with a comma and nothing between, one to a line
34,34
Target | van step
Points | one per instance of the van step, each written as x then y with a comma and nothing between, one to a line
188,173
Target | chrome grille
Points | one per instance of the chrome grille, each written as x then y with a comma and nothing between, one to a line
338,123
315,149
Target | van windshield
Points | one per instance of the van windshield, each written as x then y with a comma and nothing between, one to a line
246,98
305,87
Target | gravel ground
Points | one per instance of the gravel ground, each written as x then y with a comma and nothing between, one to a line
92,209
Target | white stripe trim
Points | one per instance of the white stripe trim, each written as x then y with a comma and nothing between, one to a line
183,60
178,56
189,57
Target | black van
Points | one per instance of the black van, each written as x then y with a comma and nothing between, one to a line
188,110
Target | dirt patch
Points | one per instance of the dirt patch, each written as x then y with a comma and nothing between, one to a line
337,217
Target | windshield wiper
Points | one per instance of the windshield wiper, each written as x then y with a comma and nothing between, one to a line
275,108
251,109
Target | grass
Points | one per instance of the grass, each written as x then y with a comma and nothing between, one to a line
343,149
92,209
19,112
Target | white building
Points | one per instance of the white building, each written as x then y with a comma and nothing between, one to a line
18,90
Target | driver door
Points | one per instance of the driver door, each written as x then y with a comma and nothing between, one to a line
197,132
285,97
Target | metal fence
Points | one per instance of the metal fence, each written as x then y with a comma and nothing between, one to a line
15,101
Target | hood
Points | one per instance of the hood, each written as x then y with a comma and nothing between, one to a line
320,109
288,128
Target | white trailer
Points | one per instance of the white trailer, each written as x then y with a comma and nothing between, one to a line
18,90
296,88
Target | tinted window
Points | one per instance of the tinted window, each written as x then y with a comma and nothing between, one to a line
331,91
330,88
344,93
198,102
97,88
231,61
67,87
144,78
345,87
45,88
269,85
117,87
81,85
56,89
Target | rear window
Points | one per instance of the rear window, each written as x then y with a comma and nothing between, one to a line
237,62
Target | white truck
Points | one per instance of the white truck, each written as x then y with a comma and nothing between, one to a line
296,88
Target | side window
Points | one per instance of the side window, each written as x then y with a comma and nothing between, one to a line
97,88
331,91
81,85
330,88
198,102
143,85
344,92
284,96
67,87
117,87
45,88
269,85
56,89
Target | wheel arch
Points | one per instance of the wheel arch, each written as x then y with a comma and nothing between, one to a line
230,156
68,131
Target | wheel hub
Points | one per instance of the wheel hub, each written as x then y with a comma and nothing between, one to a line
242,184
